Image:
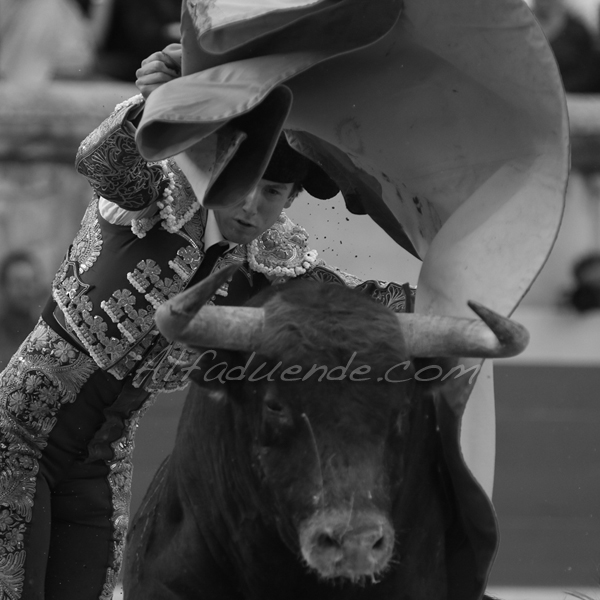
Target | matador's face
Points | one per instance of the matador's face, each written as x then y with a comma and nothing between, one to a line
256,212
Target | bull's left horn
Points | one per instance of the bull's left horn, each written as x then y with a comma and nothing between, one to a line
224,327
494,336
228,327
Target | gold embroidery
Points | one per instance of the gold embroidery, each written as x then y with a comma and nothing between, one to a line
91,329
108,124
130,181
329,274
399,298
145,274
120,304
11,575
195,227
396,297
132,323
126,364
186,262
166,368
119,480
178,204
117,350
282,251
87,244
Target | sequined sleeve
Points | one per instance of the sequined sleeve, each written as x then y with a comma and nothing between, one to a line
109,158
398,297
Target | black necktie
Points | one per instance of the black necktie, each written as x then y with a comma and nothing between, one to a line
210,258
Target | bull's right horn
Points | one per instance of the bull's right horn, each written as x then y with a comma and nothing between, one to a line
494,336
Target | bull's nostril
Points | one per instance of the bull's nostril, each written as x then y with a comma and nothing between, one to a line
349,546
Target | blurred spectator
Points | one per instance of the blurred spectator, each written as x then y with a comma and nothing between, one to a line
20,288
574,46
57,39
129,31
585,296
44,39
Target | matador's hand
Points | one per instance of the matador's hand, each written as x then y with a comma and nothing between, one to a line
159,68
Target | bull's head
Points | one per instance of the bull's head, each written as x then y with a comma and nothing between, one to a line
337,499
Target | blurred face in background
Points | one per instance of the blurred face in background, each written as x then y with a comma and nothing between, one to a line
21,285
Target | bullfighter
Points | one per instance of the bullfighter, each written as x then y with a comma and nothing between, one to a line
74,392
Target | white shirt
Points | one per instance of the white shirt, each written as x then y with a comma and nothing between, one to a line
212,233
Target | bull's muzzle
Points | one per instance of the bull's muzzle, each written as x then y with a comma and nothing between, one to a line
345,544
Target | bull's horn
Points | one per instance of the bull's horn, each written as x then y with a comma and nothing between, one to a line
225,327
494,336
238,327
173,316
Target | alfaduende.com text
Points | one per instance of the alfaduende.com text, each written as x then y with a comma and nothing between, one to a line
223,372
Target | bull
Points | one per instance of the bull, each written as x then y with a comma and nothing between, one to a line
310,461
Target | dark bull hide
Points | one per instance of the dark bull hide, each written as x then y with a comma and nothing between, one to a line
341,483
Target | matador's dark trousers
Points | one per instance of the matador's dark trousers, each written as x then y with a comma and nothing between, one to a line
63,516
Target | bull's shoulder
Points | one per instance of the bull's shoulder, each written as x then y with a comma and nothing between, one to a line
396,296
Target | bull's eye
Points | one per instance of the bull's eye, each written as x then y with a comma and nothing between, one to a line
275,422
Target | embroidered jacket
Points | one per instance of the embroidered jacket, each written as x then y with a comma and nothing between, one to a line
114,277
